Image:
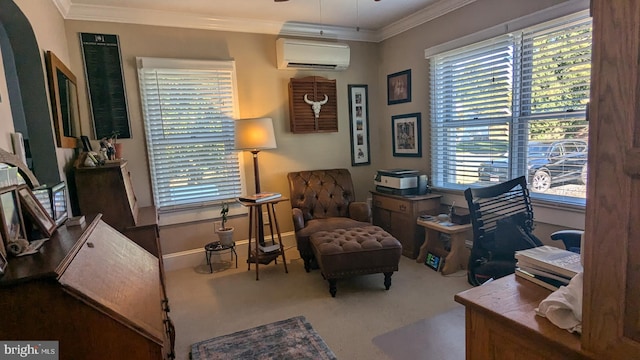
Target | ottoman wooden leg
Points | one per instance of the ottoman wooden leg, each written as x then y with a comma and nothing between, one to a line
332,287
387,280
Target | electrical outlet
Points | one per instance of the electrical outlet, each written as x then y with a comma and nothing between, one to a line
265,218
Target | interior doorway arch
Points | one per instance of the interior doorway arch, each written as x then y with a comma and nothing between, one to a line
28,98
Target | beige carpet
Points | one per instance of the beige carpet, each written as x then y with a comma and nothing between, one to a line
207,305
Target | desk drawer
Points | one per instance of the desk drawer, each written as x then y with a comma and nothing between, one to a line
395,205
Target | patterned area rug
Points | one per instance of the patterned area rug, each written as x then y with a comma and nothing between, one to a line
286,339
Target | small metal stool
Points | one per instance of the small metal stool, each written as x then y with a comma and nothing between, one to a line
216,246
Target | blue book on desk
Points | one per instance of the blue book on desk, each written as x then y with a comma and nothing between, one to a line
260,197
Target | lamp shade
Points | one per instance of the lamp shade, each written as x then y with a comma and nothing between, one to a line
255,134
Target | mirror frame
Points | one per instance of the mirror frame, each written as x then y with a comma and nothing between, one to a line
53,66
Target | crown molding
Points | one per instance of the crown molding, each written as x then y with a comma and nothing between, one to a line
70,11
429,13
63,7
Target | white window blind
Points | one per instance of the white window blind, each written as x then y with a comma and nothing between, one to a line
515,105
188,108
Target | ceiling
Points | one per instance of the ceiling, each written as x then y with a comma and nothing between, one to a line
364,20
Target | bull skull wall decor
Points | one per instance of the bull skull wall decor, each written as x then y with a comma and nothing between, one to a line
313,105
316,105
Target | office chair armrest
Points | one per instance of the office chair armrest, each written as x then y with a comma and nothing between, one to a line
298,219
360,211
570,238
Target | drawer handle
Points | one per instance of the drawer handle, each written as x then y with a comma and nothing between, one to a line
378,202
403,208
90,244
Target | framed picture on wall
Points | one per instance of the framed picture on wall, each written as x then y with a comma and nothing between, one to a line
406,130
359,124
399,87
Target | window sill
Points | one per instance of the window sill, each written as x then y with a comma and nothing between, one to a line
204,213
565,215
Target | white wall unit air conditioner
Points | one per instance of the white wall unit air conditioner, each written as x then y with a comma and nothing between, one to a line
305,54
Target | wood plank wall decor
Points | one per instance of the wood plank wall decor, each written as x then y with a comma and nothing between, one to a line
302,117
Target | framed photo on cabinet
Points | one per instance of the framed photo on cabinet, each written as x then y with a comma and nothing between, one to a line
12,225
37,212
359,124
406,130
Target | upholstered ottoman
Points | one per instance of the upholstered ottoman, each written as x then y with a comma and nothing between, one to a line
357,251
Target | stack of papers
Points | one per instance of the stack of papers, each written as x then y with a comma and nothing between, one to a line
269,248
548,266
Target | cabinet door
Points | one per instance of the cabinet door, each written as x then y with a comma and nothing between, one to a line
382,218
612,243
403,227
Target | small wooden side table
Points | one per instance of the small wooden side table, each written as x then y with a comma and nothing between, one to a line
457,257
254,254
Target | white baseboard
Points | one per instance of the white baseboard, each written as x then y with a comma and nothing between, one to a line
194,257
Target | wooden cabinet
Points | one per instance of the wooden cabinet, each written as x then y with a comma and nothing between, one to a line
398,214
92,289
611,311
108,190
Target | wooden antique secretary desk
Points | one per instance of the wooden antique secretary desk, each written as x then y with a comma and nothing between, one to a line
91,289
611,294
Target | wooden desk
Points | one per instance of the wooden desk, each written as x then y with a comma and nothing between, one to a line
456,258
501,323
254,255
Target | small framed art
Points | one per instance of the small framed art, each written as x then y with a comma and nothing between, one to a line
359,124
406,130
37,212
58,196
399,87
11,226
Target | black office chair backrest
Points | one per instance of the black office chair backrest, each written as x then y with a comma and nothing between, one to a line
490,204
502,221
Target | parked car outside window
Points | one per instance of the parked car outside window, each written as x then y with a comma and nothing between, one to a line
548,164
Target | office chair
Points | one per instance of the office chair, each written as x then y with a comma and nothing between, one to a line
502,220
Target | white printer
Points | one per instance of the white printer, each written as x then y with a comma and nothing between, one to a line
400,182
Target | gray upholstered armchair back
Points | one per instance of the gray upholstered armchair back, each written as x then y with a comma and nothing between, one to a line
321,194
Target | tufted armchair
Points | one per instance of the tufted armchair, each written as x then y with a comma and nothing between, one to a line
323,200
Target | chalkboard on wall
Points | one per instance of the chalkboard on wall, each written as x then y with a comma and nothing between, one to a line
105,83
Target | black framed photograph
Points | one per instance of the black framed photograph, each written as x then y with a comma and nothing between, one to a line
399,87
359,124
38,214
406,130
12,225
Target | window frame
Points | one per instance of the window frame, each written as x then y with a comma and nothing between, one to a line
203,208
515,121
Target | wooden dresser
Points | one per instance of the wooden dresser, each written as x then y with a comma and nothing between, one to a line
398,214
93,290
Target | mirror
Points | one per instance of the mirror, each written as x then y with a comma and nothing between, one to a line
64,102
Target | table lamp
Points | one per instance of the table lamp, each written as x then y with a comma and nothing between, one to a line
255,135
